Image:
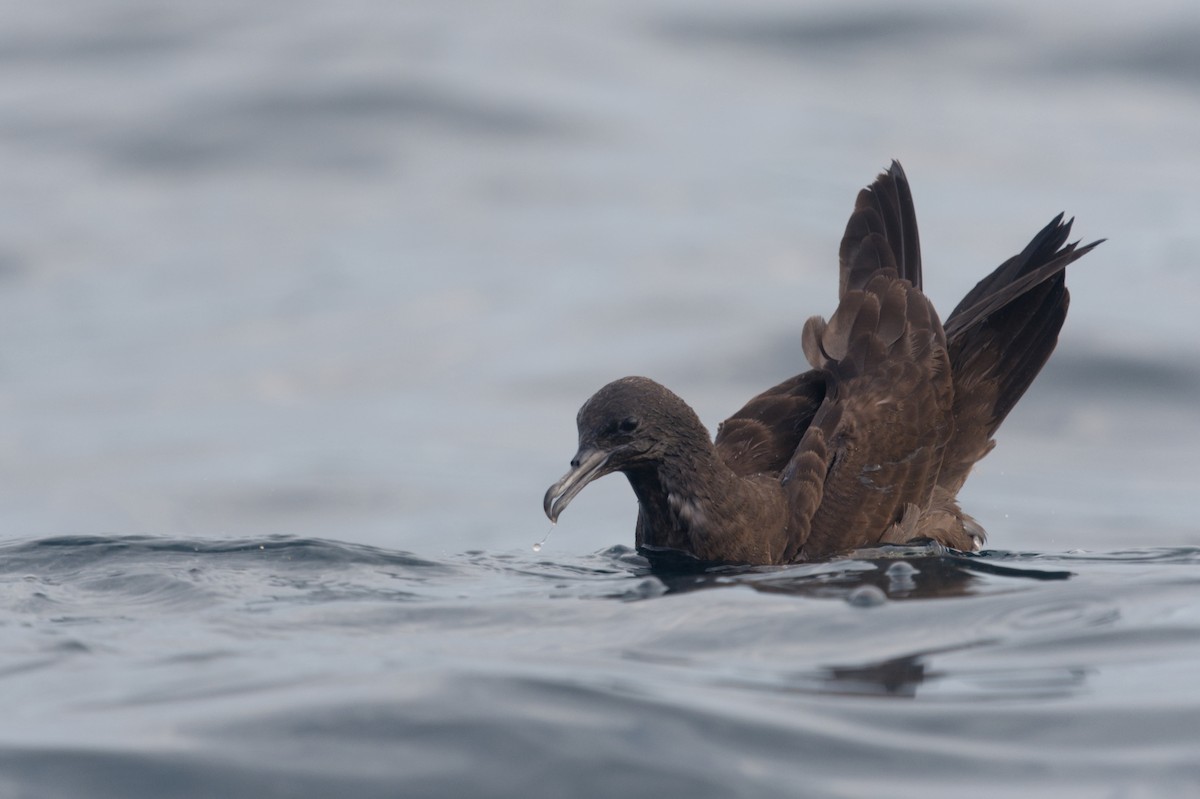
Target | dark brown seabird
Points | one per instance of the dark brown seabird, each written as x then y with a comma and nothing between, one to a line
873,443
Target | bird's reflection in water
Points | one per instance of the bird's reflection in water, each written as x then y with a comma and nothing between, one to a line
867,577
898,677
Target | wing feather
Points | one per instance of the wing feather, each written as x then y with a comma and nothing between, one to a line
875,445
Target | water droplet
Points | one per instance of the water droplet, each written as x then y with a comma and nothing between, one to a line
867,596
538,546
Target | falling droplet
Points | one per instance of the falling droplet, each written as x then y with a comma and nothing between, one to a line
538,546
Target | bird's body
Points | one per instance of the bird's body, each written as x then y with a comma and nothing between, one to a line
868,447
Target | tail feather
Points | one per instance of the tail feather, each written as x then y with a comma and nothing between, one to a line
1044,256
1000,336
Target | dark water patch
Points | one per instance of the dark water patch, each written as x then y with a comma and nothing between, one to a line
13,265
67,552
357,128
1169,376
126,38
1166,54
122,774
341,127
402,101
843,32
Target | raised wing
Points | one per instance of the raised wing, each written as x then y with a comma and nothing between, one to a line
869,460
884,208
763,436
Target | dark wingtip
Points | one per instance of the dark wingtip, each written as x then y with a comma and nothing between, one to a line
884,208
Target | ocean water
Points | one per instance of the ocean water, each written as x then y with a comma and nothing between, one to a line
297,305
154,666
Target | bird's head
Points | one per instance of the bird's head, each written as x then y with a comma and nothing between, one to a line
630,423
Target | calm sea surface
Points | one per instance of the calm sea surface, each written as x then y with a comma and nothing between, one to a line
298,302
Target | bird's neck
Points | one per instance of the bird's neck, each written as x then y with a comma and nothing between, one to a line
683,496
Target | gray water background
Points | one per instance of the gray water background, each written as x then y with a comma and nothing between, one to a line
279,272
316,270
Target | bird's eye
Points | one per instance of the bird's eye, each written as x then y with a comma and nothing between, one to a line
628,425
